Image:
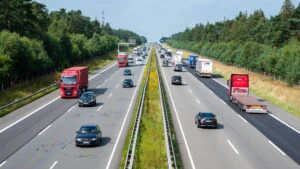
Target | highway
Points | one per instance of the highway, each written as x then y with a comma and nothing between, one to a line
241,141
41,134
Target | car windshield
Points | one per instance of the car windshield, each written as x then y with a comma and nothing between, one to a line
68,79
177,77
87,95
127,70
127,80
87,130
210,115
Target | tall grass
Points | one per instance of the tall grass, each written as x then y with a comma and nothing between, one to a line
151,148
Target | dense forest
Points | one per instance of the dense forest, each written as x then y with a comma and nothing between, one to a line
253,41
34,41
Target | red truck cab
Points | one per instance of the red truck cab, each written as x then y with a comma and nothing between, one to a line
122,59
238,93
73,81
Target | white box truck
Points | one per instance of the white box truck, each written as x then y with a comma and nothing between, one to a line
204,67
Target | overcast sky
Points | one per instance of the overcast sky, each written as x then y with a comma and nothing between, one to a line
156,18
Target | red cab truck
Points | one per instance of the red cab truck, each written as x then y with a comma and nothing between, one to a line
73,81
238,92
122,59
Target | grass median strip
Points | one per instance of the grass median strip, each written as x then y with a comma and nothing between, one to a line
150,149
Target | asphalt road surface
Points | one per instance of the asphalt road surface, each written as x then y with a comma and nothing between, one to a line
241,140
41,134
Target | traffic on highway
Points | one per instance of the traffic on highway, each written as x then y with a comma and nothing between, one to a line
85,122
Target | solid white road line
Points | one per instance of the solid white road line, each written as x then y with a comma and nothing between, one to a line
2,163
110,95
98,86
53,165
117,86
28,115
198,101
180,126
71,108
123,124
103,71
291,127
7,127
45,129
223,102
100,108
284,123
243,119
233,147
190,91
211,92
277,148
219,82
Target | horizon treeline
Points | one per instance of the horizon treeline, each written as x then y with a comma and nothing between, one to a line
252,41
34,41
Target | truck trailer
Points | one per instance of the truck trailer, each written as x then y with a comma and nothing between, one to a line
204,67
238,93
193,61
73,81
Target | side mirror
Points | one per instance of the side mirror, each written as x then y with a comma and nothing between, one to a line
59,81
77,132
228,82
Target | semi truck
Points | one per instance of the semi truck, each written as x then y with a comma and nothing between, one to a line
73,81
238,93
204,67
193,61
122,59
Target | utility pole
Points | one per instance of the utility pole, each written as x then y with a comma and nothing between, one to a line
103,19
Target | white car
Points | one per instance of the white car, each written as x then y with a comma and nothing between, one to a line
139,61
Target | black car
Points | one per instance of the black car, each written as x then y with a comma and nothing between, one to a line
127,72
162,56
127,83
176,80
87,99
88,135
206,119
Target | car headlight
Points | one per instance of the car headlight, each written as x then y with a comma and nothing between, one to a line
78,139
94,139
80,101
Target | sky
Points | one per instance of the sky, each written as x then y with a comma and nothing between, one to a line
157,18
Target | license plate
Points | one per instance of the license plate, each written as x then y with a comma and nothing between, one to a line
208,121
255,107
86,142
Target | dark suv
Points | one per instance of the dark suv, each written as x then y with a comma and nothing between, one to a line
176,80
87,99
88,135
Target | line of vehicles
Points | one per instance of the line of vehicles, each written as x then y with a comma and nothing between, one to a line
238,85
73,83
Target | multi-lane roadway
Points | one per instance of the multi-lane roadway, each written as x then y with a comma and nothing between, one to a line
41,135
241,140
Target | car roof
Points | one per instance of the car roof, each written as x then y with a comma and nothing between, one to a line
89,125
88,92
176,76
206,113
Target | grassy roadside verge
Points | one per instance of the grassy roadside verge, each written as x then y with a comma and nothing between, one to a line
15,93
274,91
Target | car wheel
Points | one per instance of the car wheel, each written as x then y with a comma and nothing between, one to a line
79,105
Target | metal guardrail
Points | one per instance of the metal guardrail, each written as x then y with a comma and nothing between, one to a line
135,131
27,97
169,144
